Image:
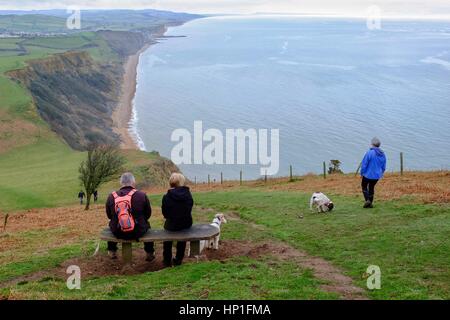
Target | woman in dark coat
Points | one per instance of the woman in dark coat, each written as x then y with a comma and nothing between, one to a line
177,210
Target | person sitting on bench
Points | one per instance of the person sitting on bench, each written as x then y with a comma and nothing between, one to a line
123,228
177,209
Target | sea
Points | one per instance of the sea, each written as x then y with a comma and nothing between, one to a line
329,85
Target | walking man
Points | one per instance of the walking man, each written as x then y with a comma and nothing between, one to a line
81,196
372,169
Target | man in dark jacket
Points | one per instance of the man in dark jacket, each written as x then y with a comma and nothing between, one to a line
177,209
373,167
140,210
81,196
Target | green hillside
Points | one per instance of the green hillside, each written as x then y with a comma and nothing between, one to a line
273,247
44,108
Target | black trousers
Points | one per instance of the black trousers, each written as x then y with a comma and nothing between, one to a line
149,247
368,188
167,251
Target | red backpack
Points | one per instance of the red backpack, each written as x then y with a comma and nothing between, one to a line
122,207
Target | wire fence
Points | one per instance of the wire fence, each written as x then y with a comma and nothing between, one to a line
290,174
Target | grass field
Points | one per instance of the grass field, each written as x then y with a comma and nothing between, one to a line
45,174
24,173
408,241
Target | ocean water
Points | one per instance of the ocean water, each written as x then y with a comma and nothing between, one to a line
329,86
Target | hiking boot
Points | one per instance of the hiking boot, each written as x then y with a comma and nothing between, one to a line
367,205
167,264
150,257
176,262
112,255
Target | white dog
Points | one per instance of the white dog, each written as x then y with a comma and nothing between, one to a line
214,242
321,202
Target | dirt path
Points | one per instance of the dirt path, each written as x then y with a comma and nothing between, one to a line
101,265
337,282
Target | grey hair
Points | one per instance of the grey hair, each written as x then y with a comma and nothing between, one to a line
127,180
376,142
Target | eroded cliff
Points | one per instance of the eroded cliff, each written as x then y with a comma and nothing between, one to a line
75,95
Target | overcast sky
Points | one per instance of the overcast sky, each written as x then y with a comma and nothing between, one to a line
342,7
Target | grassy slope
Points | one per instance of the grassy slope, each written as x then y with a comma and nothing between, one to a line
45,174
409,242
263,278
25,170
26,142
30,154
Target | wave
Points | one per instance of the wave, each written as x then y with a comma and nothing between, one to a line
133,128
320,65
436,60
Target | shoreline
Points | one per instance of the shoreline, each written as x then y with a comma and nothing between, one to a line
124,113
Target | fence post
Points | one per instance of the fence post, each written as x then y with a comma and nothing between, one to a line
209,179
290,174
195,181
401,163
265,177
221,178
324,170
240,178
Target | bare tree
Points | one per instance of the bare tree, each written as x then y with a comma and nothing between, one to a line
101,165
334,167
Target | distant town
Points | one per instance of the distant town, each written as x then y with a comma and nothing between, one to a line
8,34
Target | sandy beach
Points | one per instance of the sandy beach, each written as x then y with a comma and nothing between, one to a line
122,114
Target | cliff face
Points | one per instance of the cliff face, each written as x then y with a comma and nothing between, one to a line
75,95
124,43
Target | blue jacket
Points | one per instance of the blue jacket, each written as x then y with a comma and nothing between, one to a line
373,164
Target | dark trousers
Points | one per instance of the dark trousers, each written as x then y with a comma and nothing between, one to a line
368,188
149,247
167,251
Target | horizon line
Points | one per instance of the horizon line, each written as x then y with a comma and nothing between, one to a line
302,14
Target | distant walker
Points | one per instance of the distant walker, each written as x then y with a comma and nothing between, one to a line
373,167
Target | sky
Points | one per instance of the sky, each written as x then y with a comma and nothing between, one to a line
338,7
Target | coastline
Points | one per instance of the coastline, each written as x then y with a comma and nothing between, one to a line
124,114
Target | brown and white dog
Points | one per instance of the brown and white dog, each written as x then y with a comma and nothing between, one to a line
321,202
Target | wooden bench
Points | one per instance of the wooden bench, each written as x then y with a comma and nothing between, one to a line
194,235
